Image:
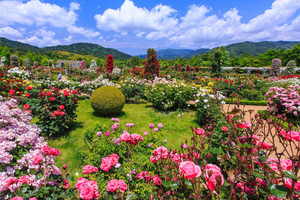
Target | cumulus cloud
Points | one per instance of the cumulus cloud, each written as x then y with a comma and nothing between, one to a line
132,18
85,32
9,32
68,39
36,12
41,37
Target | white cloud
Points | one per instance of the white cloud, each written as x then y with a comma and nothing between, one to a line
140,34
85,32
74,6
68,39
36,12
9,32
41,37
132,18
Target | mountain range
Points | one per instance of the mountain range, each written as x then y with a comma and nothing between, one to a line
236,49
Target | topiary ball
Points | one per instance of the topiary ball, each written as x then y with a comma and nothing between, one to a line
107,100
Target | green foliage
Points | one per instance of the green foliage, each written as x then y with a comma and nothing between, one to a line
107,100
252,95
290,68
135,61
220,58
133,90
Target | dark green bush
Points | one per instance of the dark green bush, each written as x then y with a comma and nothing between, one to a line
107,100
252,95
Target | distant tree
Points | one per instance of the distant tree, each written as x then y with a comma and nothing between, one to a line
54,61
44,61
6,53
67,64
220,58
151,65
135,61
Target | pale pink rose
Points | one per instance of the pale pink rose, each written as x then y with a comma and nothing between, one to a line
123,186
80,183
199,131
155,129
87,192
37,159
114,126
189,169
112,185
125,137
105,164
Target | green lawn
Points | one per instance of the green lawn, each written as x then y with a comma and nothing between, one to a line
176,129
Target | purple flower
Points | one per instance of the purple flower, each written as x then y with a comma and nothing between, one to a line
155,129
99,133
160,125
150,145
151,125
113,119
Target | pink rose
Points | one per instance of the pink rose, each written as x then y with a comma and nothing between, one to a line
87,192
105,164
189,169
224,128
112,185
264,145
46,149
10,181
213,176
89,169
125,137
153,159
199,131
80,183
161,152
37,159
24,179
291,135
123,186
156,180
17,198
289,184
33,198
151,125
286,164
114,158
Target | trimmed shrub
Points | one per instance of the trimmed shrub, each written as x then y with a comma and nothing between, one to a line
107,100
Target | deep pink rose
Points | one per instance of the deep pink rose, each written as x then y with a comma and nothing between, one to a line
87,192
156,180
123,186
80,183
46,149
114,158
17,198
291,135
24,179
89,169
112,185
200,131
33,198
37,159
105,164
189,169
224,128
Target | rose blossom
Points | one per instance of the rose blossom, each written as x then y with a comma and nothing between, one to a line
26,107
160,125
291,135
125,137
105,164
89,169
151,125
155,129
17,198
199,131
224,128
61,107
156,180
87,192
189,169
112,185
37,159
114,158
123,186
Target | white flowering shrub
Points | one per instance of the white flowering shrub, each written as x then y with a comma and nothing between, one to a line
16,72
89,87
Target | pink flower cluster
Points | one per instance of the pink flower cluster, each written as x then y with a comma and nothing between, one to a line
133,139
291,135
159,153
286,98
148,177
87,189
115,119
213,176
114,185
89,169
16,132
108,162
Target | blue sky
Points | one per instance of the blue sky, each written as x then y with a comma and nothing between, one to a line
132,26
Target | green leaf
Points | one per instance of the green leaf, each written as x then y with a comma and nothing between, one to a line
131,196
32,171
278,191
174,185
217,150
188,184
290,175
166,184
257,174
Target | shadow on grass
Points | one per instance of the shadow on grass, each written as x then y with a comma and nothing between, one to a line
74,126
121,114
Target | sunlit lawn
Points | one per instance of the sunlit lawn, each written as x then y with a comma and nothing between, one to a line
176,129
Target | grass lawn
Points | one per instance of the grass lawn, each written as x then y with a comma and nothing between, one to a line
176,129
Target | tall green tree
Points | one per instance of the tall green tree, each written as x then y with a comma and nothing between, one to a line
220,58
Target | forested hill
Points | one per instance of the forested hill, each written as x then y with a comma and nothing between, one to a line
89,49
78,48
256,48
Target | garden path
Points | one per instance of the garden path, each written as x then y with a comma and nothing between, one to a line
248,117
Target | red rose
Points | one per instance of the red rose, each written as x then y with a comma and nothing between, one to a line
26,107
57,112
199,131
156,180
28,111
52,98
43,94
62,113
66,94
75,101
53,115
224,128
29,88
48,93
74,91
46,149
27,95
61,107
55,89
